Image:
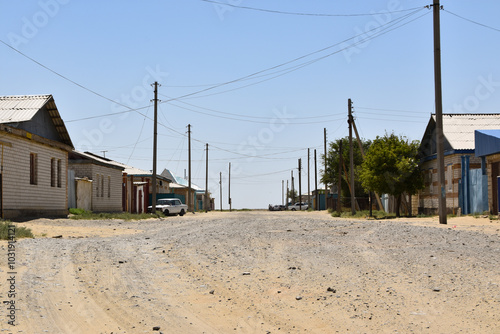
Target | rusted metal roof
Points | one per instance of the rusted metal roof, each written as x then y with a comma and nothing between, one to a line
22,108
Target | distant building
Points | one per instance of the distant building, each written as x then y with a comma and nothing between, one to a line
34,147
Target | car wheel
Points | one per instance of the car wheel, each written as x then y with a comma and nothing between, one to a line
181,213
166,213
293,209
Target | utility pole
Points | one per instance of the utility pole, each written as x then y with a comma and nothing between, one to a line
293,190
282,192
300,184
316,181
104,154
326,182
206,185
439,112
190,191
229,191
155,135
308,179
339,182
220,187
351,157
287,193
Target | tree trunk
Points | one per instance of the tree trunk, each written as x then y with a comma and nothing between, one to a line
398,205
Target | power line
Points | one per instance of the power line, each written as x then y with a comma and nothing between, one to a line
298,13
253,75
471,21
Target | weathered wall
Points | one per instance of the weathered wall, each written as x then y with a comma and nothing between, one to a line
20,198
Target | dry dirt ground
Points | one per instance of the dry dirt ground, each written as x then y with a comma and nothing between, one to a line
254,272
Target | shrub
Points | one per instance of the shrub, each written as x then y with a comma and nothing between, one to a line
21,231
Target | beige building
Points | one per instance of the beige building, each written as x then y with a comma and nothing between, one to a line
98,183
34,147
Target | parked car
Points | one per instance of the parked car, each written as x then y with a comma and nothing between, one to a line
278,208
170,206
298,206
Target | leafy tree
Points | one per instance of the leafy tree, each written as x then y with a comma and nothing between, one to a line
292,196
391,167
332,166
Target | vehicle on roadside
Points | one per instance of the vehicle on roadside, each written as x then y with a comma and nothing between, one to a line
170,207
298,206
278,208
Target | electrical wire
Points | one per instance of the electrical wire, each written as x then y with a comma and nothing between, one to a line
389,24
471,21
298,13
138,137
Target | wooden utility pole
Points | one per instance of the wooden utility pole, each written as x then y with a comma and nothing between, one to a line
339,182
300,184
190,191
293,189
287,193
229,191
351,157
308,179
206,185
282,192
439,112
155,136
326,182
220,187
316,181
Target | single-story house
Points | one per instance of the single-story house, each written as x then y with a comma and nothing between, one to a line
462,167
137,188
95,183
34,147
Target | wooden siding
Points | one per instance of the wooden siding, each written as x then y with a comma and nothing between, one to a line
20,198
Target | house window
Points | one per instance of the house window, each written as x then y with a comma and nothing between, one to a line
33,168
109,186
53,173
59,173
449,178
102,185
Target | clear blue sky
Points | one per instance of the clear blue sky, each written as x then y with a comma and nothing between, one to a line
264,116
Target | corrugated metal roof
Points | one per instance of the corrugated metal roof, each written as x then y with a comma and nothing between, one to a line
21,108
459,128
487,142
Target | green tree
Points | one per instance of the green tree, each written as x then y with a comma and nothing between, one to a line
292,196
332,166
391,167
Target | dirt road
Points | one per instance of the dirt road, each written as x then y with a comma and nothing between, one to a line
255,272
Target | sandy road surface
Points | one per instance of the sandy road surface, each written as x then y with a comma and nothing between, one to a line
256,272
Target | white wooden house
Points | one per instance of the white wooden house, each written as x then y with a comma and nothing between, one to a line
34,157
